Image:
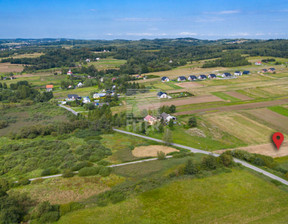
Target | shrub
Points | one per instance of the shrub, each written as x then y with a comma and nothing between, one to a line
50,171
3,124
68,173
103,163
190,168
192,122
72,206
24,181
49,217
209,162
105,171
161,155
226,160
89,171
81,165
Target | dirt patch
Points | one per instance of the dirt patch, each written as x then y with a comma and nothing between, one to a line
7,67
264,149
151,150
189,84
238,95
180,102
196,132
237,107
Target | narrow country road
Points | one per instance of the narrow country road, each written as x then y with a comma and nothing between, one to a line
272,176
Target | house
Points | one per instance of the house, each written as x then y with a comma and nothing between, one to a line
113,79
271,70
226,75
101,79
237,73
162,95
246,72
49,88
192,78
86,99
181,79
211,76
100,104
258,63
12,77
170,61
97,59
150,119
80,84
98,95
69,72
87,60
202,77
167,117
165,79
73,96
264,70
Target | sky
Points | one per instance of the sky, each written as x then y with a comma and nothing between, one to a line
146,19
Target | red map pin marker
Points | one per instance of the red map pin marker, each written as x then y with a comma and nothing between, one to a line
278,138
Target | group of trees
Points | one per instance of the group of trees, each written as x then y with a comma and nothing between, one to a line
22,91
227,60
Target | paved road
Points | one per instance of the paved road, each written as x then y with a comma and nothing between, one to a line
69,109
272,176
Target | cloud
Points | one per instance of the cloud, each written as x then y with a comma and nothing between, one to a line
135,19
187,34
208,19
224,12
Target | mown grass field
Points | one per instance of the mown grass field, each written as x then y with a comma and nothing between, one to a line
225,198
107,63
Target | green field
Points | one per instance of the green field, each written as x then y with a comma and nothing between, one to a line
225,96
225,198
279,110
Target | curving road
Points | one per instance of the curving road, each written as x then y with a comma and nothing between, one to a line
272,176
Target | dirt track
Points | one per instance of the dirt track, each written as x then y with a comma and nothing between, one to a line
264,149
182,101
237,107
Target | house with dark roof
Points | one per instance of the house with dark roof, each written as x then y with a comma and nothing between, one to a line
166,117
181,79
202,77
226,75
246,72
237,73
192,78
211,76
162,95
271,70
165,79
264,70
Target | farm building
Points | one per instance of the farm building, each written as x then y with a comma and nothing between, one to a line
192,78
49,88
211,76
202,77
86,99
226,75
165,79
73,96
167,117
150,119
99,95
237,73
181,79
80,84
69,72
246,72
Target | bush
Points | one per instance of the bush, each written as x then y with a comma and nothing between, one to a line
103,163
190,168
89,171
24,181
226,160
72,206
68,173
209,162
161,155
105,171
192,122
49,171
49,217
81,165
3,124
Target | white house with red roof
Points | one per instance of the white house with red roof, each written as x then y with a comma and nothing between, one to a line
69,72
150,119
